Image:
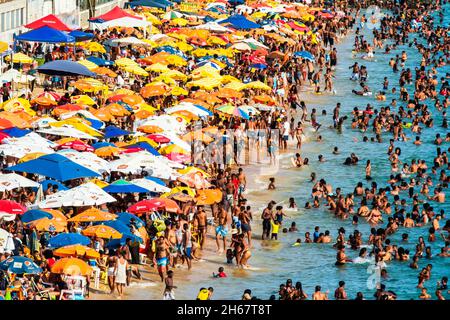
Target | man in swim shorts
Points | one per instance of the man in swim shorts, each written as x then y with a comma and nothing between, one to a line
222,228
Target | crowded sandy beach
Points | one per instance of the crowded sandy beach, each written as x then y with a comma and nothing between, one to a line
228,150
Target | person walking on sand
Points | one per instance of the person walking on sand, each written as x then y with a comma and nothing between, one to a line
120,271
169,290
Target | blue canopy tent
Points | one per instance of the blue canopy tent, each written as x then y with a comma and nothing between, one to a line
100,62
68,239
161,4
123,186
45,34
46,183
238,21
16,132
113,131
65,68
54,166
145,146
80,35
32,215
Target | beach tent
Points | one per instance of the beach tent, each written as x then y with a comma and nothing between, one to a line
51,21
54,166
80,35
65,68
114,13
45,34
161,4
238,21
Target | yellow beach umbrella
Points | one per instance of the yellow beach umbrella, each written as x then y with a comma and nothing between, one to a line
93,214
102,231
174,74
95,47
205,83
99,183
88,64
257,85
76,250
31,156
3,46
172,148
107,151
122,91
20,58
178,91
188,190
90,85
157,67
126,62
136,70
235,85
82,99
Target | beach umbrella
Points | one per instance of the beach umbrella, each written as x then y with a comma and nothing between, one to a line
208,197
45,184
150,185
126,62
100,62
88,64
159,138
6,239
113,131
12,181
65,68
178,157
94,47
195,180
102,231
305,55
80,35
153,205
77,145
76,250
123,186
233,110
54,166
20,265
19,58
107,151
32,215
11,207
257,85
88,194
102,144
72,267
67,239
92,214
126,218
105,72
50,225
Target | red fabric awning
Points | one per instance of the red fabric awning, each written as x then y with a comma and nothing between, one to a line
51,21
114,13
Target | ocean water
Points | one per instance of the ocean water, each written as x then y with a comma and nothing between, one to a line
313,264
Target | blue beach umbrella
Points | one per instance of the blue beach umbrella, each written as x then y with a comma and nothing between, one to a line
20,265
65,68
126,217
102,144
238,21
305,55
258,66
113,131
123,186
157,180
32,215
45,184
68,239
54,166
145,146
100,62
16,132
124,230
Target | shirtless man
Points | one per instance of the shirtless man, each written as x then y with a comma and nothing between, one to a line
161,256
229,191
202,225
341,258
439,195
340,293
222,228
246,217
111,263
242,182
187,244
317,295
267,216
172,239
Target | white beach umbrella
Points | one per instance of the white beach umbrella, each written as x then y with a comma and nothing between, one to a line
6,240
212,26
10,181
122,22
87,159
127,41
67,131
187,106
137,162
88,194
150,185
167,123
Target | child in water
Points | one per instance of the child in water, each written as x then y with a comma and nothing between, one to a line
275,229
221,273
292,204
271,184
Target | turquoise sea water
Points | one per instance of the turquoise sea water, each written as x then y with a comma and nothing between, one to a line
313,264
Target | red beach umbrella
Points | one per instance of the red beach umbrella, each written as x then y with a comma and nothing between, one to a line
11,207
